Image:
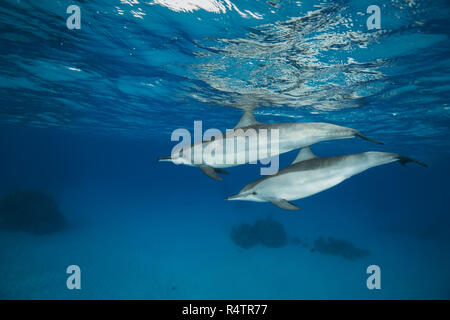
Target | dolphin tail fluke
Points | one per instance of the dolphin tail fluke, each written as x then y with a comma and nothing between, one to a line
359,134
284,204
404,160
212,172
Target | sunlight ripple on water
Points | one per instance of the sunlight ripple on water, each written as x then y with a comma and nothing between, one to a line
149,67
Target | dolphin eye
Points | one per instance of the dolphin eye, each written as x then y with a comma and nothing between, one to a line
254,192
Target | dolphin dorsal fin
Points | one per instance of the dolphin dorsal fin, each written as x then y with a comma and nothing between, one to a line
304,154
247,119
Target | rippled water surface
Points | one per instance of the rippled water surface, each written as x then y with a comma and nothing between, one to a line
140,67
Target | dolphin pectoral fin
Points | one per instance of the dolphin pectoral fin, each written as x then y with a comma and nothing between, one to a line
221,171
210,172
305,153
359,134
404,160
284,204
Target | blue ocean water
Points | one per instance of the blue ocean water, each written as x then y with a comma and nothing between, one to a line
85,113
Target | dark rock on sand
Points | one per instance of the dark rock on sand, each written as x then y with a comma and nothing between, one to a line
30,211
339,247
266,232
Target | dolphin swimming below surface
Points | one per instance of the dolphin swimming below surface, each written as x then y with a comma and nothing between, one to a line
291,136
309,175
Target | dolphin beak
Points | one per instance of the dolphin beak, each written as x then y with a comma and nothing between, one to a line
235,197
169,158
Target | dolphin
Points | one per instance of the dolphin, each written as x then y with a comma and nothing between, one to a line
291,136
309,175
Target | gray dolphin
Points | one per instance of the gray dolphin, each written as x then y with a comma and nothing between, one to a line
291,136
309,175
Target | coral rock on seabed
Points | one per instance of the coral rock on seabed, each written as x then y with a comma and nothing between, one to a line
270,233
339,247
267,232
296,241
244,236
30,211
